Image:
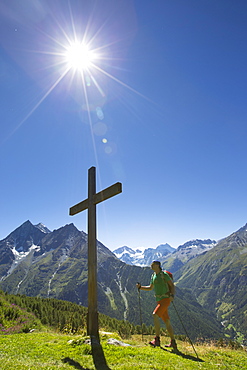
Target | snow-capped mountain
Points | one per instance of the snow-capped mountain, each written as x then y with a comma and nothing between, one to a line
144,257
186,252
194,247
21,243
53,264
169,257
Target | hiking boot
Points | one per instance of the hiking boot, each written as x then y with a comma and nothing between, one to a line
173,344
155,342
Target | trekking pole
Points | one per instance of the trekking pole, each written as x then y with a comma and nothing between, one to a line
140,309
185,330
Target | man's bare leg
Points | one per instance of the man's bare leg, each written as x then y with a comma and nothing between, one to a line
169,329
156,324
156,341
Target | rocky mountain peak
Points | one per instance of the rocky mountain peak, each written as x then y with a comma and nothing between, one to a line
165,247
144,257
43,228
197,243
124,249
26,235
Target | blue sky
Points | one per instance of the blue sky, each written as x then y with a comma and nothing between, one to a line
162,110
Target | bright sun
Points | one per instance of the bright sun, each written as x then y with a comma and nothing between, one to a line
79,56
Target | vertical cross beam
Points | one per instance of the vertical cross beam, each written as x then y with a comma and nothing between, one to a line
90,204
92,257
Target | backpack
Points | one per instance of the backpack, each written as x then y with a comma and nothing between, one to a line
171,276
169,273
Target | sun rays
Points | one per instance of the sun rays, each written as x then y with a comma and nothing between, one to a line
79,60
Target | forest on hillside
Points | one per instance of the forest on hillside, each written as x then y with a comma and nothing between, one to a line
20,313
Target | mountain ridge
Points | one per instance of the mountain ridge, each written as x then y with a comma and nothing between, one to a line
54,264
144,257
169,257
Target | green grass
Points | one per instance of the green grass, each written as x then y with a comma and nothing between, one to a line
50,350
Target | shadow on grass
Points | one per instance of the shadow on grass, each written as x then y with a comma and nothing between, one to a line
68,360
179,353
98,355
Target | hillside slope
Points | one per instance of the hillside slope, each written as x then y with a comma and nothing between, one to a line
54,265
218,280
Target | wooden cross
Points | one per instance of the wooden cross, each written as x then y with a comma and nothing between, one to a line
90,204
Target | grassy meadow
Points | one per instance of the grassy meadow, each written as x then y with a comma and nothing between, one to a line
51,350
49,334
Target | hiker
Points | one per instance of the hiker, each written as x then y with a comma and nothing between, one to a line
164,293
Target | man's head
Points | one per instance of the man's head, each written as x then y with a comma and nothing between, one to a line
155,265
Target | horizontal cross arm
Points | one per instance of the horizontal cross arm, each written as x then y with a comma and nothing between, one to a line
108,193
97,198
79,207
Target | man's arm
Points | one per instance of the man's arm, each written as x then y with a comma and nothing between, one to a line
147,287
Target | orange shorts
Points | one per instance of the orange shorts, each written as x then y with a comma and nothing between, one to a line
162,309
